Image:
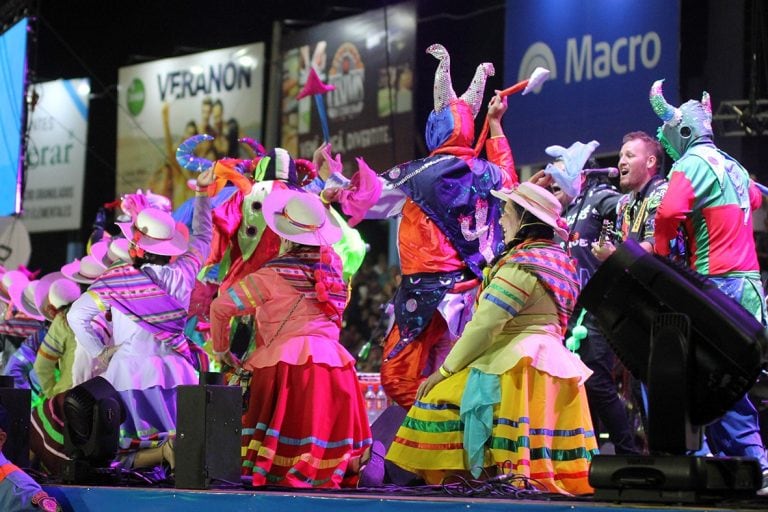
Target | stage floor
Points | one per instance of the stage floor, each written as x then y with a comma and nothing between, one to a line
135,499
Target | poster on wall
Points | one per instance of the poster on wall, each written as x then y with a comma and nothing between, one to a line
164,102
55,156
603,57
369,60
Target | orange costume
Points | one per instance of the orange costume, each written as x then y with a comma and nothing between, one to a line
448,232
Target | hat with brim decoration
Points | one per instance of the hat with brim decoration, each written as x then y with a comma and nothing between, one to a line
118,250
84,271
540,202
9,279
23,298
156,232
300,217
42,289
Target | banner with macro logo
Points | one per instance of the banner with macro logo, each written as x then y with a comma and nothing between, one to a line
603,56
55,156
369,59
164,102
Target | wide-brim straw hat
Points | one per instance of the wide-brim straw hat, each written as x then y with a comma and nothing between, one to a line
155,231
300,217
119,250
41,291
9,279
84,271
540,202
23,298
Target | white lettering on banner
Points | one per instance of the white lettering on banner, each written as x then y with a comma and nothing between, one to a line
368,137
342,141
182,84
347,98
603,59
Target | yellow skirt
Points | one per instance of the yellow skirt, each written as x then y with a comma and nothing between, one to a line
541,429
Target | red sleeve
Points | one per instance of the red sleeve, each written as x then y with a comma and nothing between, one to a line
674,208
498,152
755,196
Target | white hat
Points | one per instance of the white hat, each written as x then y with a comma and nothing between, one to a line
300,217
118,250
155,231
540,202
41,292
9,279
23,298
63,292
84,271
99,251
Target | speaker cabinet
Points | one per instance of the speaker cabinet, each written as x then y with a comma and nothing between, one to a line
673,478
18,404
208,431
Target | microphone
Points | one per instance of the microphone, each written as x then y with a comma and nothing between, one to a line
611,172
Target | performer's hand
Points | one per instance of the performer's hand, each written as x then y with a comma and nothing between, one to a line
318,160
106,355
603,252
324,162
497,107
205,178
228,358
427,385
541,179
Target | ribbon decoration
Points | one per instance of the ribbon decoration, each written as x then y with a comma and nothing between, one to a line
315,87
538,77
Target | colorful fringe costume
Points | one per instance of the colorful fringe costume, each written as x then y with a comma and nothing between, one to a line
148,308
306,416
711,198
517,394
448,231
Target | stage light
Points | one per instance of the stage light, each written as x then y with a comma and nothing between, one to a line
697,351
93,412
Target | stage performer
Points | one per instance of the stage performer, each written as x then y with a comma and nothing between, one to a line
643,186
588,200
53,296
147,302
306,423
509,392
711,198
448,230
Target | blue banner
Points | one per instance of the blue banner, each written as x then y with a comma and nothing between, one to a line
13,64
603,56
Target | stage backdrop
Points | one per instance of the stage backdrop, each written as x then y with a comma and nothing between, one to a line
369,58
603,56
13,70
55,156
161,103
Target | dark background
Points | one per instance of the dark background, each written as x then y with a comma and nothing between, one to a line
86,38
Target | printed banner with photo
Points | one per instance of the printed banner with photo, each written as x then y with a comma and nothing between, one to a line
55,156
164,102
369,59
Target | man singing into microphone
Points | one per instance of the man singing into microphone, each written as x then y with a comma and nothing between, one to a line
643,187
